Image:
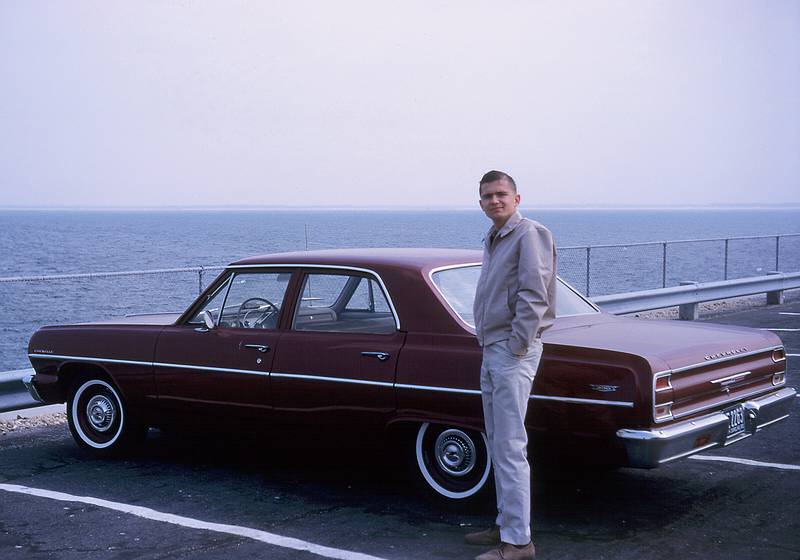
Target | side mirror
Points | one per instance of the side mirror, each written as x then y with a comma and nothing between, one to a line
208,322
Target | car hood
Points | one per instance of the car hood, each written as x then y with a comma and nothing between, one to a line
143,319
677,343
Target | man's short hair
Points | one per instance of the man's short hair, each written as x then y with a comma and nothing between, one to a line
495,175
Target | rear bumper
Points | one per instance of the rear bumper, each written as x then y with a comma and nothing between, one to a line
651,448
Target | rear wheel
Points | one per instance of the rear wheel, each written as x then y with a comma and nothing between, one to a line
454,462
99,420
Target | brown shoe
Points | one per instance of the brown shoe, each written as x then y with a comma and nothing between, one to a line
486,537
509,552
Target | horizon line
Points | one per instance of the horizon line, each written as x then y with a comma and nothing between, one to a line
340,207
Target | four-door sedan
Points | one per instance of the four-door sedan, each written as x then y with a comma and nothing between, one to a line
384,338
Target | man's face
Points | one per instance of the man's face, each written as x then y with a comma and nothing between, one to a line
499,201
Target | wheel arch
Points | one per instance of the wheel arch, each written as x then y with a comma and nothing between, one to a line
71,372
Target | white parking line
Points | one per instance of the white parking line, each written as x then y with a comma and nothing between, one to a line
787,313
147,513
781,330
793,355
750,462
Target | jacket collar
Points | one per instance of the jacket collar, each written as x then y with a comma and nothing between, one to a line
509,226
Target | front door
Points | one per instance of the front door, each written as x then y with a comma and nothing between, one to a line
224,370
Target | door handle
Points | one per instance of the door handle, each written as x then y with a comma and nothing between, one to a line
260,347
382,356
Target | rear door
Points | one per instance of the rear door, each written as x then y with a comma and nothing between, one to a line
337,361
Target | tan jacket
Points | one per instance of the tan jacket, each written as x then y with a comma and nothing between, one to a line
516,294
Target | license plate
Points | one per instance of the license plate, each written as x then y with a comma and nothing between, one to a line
735,420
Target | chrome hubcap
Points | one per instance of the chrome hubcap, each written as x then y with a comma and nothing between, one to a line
455,452
100,412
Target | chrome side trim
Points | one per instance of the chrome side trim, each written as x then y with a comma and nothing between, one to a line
90,359
439,389
573,400
140,363
332,379
295,266
209,368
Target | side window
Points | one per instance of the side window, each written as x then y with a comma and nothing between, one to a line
343,303
367,297
254,300
213,305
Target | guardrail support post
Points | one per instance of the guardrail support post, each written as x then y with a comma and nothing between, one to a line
776,297
688,311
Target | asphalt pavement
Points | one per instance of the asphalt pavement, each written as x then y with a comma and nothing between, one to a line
183,496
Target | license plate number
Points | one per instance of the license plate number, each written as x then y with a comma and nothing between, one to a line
735,420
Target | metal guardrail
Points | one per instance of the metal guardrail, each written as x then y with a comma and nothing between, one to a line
692,293
13,393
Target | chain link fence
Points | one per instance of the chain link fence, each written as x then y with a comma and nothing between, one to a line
30,302
612,269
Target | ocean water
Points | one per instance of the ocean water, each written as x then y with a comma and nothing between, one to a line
49,242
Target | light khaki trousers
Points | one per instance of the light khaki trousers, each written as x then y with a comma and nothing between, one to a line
506,382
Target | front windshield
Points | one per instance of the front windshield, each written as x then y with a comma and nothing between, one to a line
458,285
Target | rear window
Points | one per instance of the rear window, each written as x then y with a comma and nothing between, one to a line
457,286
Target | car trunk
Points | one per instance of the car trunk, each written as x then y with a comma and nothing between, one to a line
707,366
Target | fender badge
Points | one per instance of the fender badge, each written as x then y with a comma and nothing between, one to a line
604,388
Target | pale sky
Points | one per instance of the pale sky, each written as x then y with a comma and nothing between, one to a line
151,103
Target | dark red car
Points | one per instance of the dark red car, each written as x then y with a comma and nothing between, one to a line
383,338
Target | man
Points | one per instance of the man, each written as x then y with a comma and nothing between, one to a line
514,304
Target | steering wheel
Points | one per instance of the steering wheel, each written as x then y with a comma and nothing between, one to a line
254,312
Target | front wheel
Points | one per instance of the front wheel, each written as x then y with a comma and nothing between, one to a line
98,418
454,462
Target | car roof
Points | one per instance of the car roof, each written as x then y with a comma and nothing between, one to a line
408,257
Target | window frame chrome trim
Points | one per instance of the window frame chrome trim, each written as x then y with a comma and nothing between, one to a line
300,266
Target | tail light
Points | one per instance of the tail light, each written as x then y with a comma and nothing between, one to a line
779,378
779,355
662,396
663,412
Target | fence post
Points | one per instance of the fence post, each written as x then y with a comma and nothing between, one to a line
777,252
776,297
200,280
726,259
688,311
664,266
588,259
